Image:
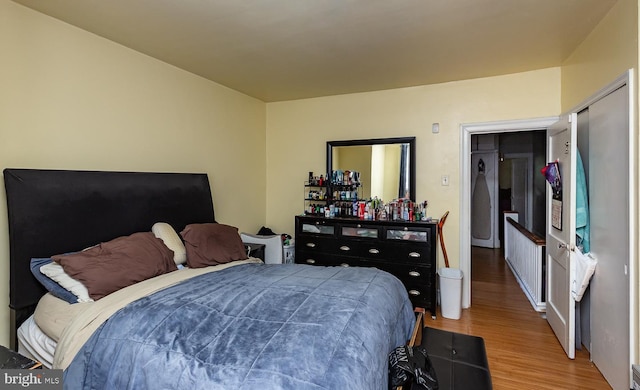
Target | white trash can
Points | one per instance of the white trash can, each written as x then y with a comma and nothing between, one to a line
289,253
450,292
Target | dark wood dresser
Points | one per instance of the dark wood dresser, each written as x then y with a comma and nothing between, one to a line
404,249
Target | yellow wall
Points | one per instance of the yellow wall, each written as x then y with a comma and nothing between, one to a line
72,100
609,50
297,132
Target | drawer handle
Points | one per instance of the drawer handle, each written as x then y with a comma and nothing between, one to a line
344,265
374,251
311,244
414,254
345,248
415,293
414,273
311,261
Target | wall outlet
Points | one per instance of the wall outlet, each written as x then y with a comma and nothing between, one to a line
444,180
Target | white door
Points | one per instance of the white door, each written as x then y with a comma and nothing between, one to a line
561,232
484,199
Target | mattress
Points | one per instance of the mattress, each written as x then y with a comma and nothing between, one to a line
38,336
35,344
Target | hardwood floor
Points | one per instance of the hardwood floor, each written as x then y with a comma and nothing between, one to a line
522,350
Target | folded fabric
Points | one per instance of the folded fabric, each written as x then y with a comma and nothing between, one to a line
584,269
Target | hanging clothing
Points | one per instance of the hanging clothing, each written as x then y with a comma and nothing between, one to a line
481,206
583,230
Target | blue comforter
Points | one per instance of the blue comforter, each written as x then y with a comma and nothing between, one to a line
253,326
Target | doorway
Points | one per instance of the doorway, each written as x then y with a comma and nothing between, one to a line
467,131
504,178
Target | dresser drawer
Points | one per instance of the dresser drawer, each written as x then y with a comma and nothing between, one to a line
417,280
421,297
409,274
361,231
408,253
330,260
380,250
317,227
408,234
316,244
366,249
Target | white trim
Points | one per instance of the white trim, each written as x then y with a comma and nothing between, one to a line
633,226
466,130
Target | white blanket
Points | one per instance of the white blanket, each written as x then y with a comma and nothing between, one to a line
584,269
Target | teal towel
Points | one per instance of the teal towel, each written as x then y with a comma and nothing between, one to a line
582,207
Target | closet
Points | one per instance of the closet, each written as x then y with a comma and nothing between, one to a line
603,142
599,132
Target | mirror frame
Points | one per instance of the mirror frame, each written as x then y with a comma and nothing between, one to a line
380,141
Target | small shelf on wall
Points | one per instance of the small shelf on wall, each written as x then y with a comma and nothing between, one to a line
318,198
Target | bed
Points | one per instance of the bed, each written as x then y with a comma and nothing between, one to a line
239,324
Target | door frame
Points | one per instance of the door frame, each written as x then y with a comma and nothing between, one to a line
466,131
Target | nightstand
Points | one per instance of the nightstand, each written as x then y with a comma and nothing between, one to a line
13,360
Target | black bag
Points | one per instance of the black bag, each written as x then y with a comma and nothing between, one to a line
265,231
411,365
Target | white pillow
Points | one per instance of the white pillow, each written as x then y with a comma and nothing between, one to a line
165,232
55,271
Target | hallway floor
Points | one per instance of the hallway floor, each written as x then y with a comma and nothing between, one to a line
522,350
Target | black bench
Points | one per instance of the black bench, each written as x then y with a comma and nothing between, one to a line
460,360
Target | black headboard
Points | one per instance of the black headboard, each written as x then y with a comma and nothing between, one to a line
57,211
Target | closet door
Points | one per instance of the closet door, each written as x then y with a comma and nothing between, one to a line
609,205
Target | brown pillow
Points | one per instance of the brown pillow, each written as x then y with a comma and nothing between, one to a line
211,244
119,263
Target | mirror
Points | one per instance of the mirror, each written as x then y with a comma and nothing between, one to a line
386,165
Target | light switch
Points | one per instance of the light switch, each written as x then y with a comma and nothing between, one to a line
435,128
445,180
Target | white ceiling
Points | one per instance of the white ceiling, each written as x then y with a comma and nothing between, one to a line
278,50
